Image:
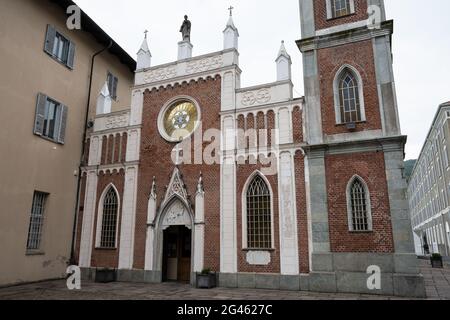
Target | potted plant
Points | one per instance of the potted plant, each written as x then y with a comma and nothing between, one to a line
436,260
105,275
206,279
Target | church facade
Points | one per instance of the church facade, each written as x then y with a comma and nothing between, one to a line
266,190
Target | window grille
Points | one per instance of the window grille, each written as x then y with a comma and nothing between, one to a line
359,207
36,221
109,220
259,219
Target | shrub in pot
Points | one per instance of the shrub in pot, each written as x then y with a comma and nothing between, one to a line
206,279
436,260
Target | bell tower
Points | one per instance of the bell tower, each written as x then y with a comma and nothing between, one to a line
355,149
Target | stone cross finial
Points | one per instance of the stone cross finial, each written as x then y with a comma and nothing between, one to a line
231,10
145,32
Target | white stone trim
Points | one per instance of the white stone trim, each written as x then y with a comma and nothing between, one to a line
126,253
349,204
199,232
289,258
170,103
87,228
337,102
244,209
100,216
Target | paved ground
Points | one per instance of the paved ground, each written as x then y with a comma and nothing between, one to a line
437,283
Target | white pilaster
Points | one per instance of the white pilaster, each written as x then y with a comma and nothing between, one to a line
137,105
199,234
144,56
150,240
104,101
284,64
126,252
230,35
184,50
289,259
228,227
87,230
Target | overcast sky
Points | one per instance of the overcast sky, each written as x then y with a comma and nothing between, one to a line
421,44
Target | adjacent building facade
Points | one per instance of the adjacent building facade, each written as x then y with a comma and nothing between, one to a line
429,189
45,92
267,190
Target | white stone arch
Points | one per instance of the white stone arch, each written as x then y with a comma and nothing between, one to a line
161,224
98,232
349,204
244,209
337,101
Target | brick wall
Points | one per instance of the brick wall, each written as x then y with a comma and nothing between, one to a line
107,257
302,215
156,161
330,60
370,167
243,172
320,16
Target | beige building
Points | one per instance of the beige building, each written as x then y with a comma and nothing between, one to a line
44,92
429,189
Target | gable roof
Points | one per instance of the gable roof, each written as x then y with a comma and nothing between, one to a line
89,25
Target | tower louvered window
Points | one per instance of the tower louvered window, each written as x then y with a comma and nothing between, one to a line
259,218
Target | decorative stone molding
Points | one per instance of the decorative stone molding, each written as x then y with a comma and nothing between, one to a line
177,215
112,121
260,96
160,74
204,65
258,258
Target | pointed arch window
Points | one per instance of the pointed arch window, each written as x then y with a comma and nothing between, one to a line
358,206
258,214
348,96
108,227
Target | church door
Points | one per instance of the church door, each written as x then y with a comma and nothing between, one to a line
177,254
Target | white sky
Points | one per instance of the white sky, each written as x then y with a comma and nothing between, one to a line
421,44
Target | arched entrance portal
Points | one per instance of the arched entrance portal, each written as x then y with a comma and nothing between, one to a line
177,249
176,241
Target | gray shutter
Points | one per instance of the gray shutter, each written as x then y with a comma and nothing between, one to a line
71,55
50,39
62,124
40,114
115,83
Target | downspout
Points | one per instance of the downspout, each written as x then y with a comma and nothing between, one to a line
83,152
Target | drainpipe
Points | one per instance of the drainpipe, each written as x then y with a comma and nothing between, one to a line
83,152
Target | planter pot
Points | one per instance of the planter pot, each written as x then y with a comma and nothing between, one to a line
206,281
437,263
105,275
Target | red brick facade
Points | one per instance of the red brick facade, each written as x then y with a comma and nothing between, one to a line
320,14
155,160
360,56
371,168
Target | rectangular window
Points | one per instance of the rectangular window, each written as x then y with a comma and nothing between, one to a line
59,47
36,221
51,118
112,85
340,8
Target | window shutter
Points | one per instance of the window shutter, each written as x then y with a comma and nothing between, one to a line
50,39
114,89
62,124
40,114
71,55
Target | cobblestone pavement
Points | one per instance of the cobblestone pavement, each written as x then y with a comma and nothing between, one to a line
437,285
